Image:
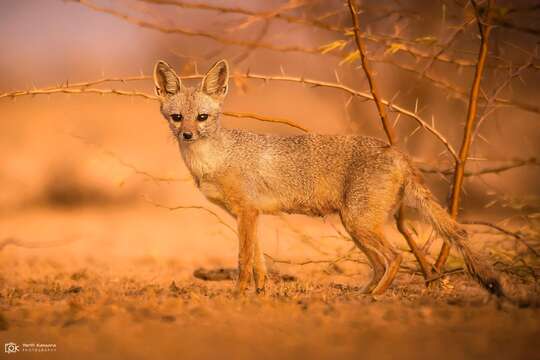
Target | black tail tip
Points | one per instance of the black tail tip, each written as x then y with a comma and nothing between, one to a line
494,286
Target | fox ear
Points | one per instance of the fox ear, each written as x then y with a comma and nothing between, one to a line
166,80
216,80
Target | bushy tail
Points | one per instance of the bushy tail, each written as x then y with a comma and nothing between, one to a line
419,197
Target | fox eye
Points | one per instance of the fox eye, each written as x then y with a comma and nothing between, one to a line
176,117
202,117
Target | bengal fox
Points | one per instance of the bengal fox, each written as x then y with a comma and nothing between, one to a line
362,179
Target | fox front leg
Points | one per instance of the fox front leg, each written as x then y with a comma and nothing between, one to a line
247,232
259,268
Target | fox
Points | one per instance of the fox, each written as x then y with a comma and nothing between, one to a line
362,179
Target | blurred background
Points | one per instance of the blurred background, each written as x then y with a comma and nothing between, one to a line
101,226
99,171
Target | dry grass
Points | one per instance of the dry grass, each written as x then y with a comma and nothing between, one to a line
94,311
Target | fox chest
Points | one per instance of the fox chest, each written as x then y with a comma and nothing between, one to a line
202,160
212,191
205,179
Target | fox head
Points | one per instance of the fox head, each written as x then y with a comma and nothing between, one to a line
192,113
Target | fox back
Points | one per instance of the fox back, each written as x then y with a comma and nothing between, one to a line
305,174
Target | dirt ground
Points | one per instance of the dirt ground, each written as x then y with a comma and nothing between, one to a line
126,290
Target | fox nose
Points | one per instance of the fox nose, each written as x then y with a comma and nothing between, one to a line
187,135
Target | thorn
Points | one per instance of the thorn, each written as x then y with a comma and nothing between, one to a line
416,106
394,97
415,130
397,119
433,121
483,138
281,70
349,101
338,80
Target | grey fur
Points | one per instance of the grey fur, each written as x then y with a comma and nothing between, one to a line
362,179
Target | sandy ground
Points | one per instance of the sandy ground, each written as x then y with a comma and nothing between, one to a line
121,286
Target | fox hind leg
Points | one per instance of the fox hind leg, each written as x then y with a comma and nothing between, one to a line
384,260
377,262
363,215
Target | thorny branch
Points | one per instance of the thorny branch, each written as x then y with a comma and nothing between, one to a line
390,42
186,32
84,87
484,29
457,92
194,207
125,163
489,106
447,44
262,15
77,88
372,87
516,235
487,170
316,83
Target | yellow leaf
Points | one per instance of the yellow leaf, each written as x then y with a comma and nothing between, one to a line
338,44
351,57
426,39
394,48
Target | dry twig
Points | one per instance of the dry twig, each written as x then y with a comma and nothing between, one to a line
193,207
177,30
484,29
517,163
372,87
516,235
79,88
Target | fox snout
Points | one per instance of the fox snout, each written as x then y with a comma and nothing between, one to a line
187,135
188,131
